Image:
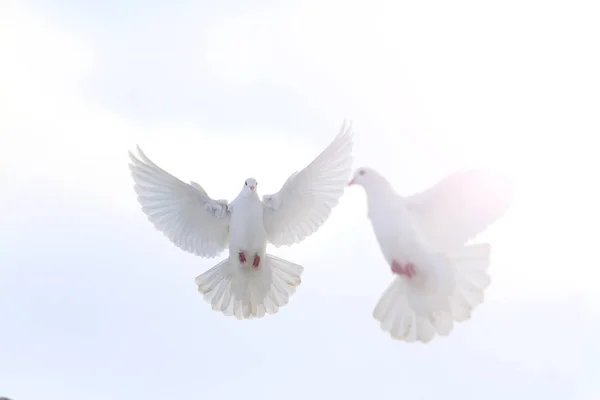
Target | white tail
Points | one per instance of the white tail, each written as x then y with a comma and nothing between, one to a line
246,292
411,312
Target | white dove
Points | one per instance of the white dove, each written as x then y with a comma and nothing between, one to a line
423,238
249,282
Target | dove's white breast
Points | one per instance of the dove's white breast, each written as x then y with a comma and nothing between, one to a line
396,230
246,226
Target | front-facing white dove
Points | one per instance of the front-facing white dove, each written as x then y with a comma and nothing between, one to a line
249,282
439,279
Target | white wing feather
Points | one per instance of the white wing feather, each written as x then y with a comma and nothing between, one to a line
306,199
460,206
183,213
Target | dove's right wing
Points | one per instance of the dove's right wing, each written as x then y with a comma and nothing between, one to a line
184,213
306,199
460,206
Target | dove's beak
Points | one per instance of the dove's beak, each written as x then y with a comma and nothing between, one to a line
251,187
351,182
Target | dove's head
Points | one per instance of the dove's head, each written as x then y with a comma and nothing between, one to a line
250,185
366,177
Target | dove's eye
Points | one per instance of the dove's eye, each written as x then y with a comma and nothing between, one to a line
246,183
361,172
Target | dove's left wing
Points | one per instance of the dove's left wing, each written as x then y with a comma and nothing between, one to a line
460,206
306,199
183,212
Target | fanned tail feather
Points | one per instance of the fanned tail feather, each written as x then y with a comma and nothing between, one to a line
410,313
247,293
471,278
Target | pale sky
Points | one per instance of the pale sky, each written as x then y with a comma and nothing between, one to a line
96,304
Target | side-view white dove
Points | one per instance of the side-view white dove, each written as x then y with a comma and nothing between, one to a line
439,279
249,283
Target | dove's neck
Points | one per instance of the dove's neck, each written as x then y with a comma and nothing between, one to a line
245,197
247,193
380,197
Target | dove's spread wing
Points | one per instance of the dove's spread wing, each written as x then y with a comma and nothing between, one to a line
460,206
306,199
184,213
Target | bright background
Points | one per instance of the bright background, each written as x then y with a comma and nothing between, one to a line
95,304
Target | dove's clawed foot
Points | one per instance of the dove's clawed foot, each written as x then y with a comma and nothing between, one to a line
255,262
407,269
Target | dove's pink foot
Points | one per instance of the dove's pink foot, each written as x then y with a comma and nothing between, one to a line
242,257
256,261
407,269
